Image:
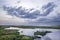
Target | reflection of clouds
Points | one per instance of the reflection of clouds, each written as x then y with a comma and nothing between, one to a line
54,35
46,38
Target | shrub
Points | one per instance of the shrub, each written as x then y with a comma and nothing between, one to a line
26,38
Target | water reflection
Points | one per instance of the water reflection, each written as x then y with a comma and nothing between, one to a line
45,38
54,35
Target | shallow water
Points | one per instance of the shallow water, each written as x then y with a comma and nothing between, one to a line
54,35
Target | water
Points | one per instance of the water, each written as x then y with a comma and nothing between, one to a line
54,35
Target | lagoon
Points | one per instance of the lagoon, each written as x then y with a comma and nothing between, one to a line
54,35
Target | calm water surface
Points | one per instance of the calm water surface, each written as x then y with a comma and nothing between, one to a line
54,35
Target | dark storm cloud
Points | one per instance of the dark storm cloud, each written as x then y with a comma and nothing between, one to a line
32,15
55,21
48,8
21,12
48,5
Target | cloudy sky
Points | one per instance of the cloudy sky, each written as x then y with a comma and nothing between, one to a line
30,12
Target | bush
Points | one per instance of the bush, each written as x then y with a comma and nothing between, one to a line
26,38
41,33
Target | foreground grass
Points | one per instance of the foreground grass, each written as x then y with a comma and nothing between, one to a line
12,35
15,37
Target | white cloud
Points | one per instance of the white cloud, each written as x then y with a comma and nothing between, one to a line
36,4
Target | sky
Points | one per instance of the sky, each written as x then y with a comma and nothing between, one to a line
30,12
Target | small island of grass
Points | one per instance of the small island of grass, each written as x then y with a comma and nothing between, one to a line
42,33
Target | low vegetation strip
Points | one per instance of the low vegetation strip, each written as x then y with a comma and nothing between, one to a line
48,27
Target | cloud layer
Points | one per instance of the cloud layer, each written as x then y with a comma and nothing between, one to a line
24,13
46,15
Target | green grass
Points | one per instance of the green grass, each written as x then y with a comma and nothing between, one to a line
7,32
41,33
12,35
15,37
50,27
